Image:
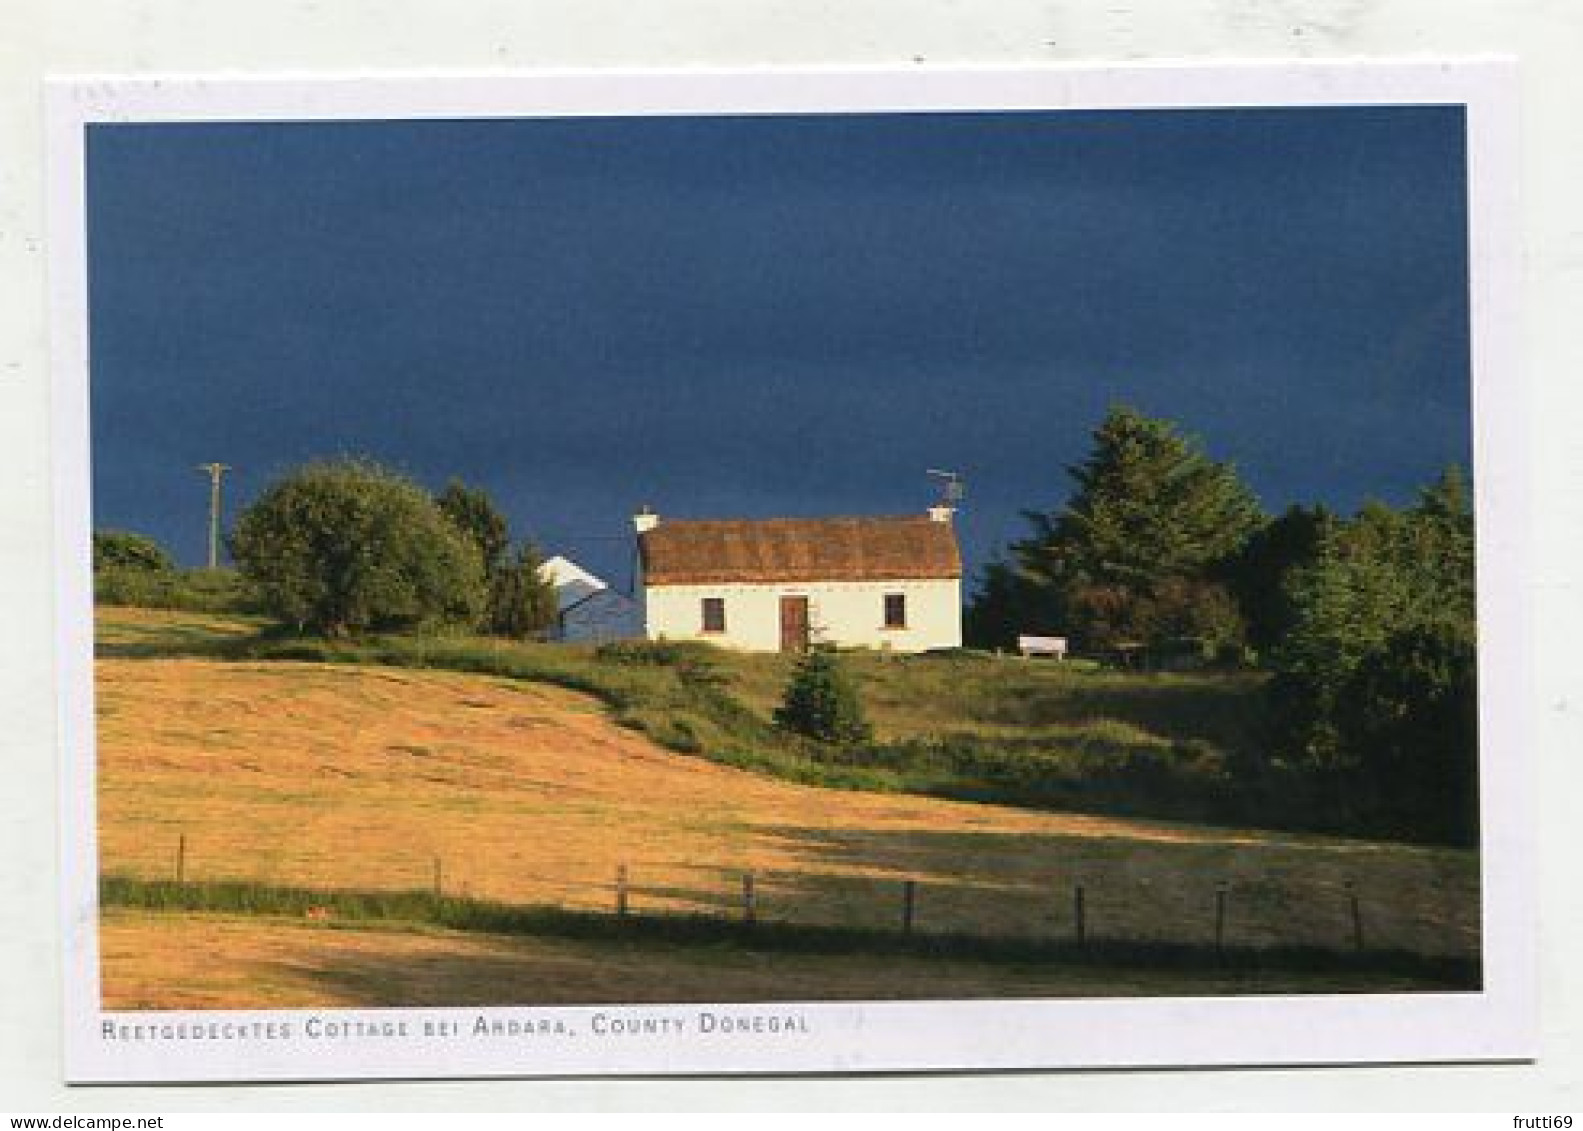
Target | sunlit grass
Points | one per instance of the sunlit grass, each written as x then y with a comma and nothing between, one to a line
379,768
966,726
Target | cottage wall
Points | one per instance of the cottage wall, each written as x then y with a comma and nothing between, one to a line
847,613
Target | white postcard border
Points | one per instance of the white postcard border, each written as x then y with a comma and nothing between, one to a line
1498,1023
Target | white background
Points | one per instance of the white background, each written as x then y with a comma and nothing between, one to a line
133,36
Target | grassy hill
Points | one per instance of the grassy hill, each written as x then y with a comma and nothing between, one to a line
965,726
524,787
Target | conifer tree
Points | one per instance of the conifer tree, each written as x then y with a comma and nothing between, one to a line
1384,574
821,702
521,599
1259,574
1135,553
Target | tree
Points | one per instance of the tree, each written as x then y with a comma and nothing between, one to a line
340,547
131,569
1008,603
1189,609
1411,710
1149,524
821,702
125,550
522,600
474,513
1383,573
1259,573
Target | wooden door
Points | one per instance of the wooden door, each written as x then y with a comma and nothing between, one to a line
794,624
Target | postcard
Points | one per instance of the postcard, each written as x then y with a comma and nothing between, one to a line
824,570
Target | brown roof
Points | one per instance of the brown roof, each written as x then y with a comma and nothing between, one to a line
697,551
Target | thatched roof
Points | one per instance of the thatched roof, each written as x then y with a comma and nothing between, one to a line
703,552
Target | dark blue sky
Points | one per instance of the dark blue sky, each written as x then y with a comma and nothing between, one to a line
772,316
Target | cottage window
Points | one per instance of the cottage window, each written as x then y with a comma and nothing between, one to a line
714,614
895,610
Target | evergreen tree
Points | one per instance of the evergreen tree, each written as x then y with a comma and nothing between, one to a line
1134,555
1184,609
1384,573
821,702
1149,506
1410,711
1008,603
522,601
1258,575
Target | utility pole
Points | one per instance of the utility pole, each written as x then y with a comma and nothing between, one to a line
215,472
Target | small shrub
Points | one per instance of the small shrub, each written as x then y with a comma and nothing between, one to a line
192,591
653,653
125,551
136,587
215,591
702,674
679,735
821,702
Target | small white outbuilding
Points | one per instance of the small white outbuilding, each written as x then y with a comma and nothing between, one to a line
588,609
781,584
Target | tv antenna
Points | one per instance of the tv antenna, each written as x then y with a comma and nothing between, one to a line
951,488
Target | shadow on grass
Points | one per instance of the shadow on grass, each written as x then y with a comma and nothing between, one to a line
770,937
1144,881
175,641
1221,709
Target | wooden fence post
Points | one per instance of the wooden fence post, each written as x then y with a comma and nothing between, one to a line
621,889
181,858
909,904
1079,916
1220,921
1357,916
749,908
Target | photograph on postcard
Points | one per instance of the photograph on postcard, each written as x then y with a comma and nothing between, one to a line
638,559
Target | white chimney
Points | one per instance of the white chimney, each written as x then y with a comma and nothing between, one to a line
941,513
645,519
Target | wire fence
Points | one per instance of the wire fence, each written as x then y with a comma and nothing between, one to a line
1346,915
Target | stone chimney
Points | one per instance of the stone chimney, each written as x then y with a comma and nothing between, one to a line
645,519
941,513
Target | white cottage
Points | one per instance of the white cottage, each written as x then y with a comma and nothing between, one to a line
779,584
587,608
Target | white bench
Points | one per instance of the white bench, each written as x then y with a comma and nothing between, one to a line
1042,646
